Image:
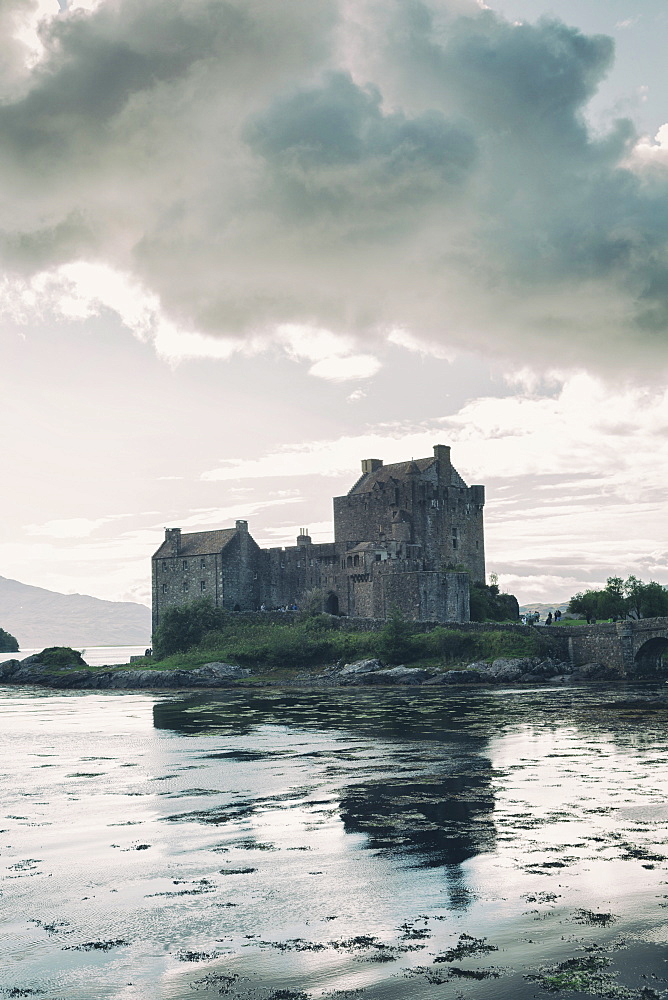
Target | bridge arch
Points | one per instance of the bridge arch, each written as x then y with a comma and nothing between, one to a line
652,657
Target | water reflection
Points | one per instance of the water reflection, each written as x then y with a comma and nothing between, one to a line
429,798
276,844
394,715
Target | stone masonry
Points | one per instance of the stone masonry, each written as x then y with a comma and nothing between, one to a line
406,536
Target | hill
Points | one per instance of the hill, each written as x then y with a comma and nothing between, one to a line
40,617
544,608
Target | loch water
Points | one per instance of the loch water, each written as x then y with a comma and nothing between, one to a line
284,845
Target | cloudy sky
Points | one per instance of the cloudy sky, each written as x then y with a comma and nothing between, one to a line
246,243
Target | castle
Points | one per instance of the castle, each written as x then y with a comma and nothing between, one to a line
406,536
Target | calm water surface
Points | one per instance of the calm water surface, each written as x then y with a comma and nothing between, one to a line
500,844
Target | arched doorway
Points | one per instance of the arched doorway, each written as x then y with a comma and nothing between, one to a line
651,660
332,604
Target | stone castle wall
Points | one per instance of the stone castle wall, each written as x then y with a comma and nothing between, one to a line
403,534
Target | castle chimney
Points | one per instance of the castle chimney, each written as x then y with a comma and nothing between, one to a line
303,538
370,465
442,456
173,536
242,526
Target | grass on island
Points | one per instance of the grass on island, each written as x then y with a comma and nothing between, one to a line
274,650
317,642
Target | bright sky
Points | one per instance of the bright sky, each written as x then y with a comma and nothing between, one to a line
245,245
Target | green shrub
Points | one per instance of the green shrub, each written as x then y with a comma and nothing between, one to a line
510,644
488,605
61,657
185,626
394,642
449,645
319,623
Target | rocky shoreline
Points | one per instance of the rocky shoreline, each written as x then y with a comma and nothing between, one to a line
504,670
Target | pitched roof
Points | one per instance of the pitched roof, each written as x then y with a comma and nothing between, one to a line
401,470
198,543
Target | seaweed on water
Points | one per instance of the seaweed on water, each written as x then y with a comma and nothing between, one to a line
288,995
51,928
361,941
295,944
222,980
413,933
473,973
582,974
599,919
96,945
197,956
253,845
466,947
22,991
433,976
541,897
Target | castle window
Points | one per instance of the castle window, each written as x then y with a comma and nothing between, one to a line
202,563
299,565
454,538
202,585
164,588
349,560
164,567
477,545
378,557
356,561
185,564
434,504
185,584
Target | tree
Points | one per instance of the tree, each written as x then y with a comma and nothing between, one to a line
646,600
394,645
8,644
488,605
185,626
585,604
311,603
620,598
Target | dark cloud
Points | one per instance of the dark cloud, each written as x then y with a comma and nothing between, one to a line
425,165
331,148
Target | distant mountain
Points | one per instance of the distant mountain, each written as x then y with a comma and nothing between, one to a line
544,608
40,617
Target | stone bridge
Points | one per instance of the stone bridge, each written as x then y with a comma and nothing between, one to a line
635,648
